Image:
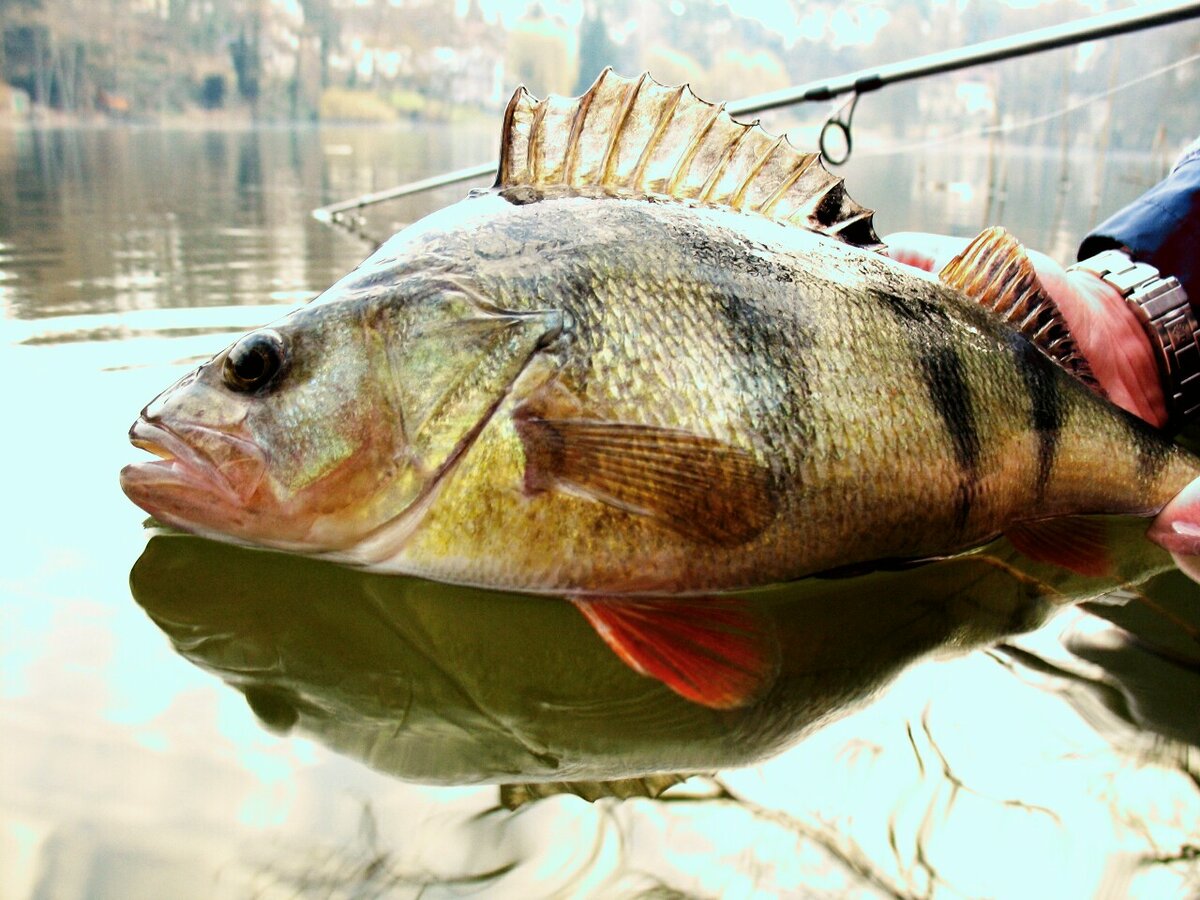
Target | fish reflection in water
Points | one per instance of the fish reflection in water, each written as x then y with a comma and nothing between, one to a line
450,685
1147,645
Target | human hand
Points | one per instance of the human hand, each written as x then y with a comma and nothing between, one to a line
1103,325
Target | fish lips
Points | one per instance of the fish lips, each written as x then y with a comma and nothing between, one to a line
202,479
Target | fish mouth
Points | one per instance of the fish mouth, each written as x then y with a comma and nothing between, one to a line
186,486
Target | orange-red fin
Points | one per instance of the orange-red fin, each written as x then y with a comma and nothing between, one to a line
714,651
703,488
995,272
1075,543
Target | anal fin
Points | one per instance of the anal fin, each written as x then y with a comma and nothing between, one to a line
995,271
1077,543
714,651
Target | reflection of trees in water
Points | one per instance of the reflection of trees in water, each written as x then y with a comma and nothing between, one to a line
106,220
103,220
116,220
366,868
515,853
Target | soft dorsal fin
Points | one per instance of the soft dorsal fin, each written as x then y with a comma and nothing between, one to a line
637,138
995,271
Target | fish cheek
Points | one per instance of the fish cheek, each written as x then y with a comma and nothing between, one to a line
328,442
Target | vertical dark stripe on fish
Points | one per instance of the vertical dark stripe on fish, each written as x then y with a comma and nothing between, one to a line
942,370
1047,410
756,332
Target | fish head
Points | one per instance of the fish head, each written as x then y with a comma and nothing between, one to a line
272,441
311,434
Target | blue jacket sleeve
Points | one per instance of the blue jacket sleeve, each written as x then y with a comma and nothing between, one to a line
1162,227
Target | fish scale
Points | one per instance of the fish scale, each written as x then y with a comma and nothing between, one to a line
851,494
660,360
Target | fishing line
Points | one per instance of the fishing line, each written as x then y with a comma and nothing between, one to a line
987,130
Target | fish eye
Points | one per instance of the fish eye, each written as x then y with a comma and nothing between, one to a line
253,361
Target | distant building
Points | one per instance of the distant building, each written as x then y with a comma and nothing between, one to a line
14,102
419,48
279,50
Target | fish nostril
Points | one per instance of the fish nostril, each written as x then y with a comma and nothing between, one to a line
155,407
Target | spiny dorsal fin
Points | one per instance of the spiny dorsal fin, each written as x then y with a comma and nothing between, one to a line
995,271
637,138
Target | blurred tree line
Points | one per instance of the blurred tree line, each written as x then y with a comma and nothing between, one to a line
154,56
292,58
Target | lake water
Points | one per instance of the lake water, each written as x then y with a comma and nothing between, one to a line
182,719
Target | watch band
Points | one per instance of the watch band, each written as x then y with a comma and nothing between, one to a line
1166,315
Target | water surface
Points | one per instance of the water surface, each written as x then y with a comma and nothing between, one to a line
242,724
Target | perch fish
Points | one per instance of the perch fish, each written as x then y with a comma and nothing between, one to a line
660,359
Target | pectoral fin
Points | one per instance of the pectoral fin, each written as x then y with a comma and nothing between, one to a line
1077,543
714,651
705,489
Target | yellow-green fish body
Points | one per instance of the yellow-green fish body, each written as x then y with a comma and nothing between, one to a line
661,357
867,412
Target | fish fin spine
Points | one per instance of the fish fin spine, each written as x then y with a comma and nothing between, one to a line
634,137
995,271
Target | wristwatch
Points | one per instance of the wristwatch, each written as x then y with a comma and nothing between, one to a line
1166,315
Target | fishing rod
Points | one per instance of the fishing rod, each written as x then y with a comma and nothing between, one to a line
863,81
